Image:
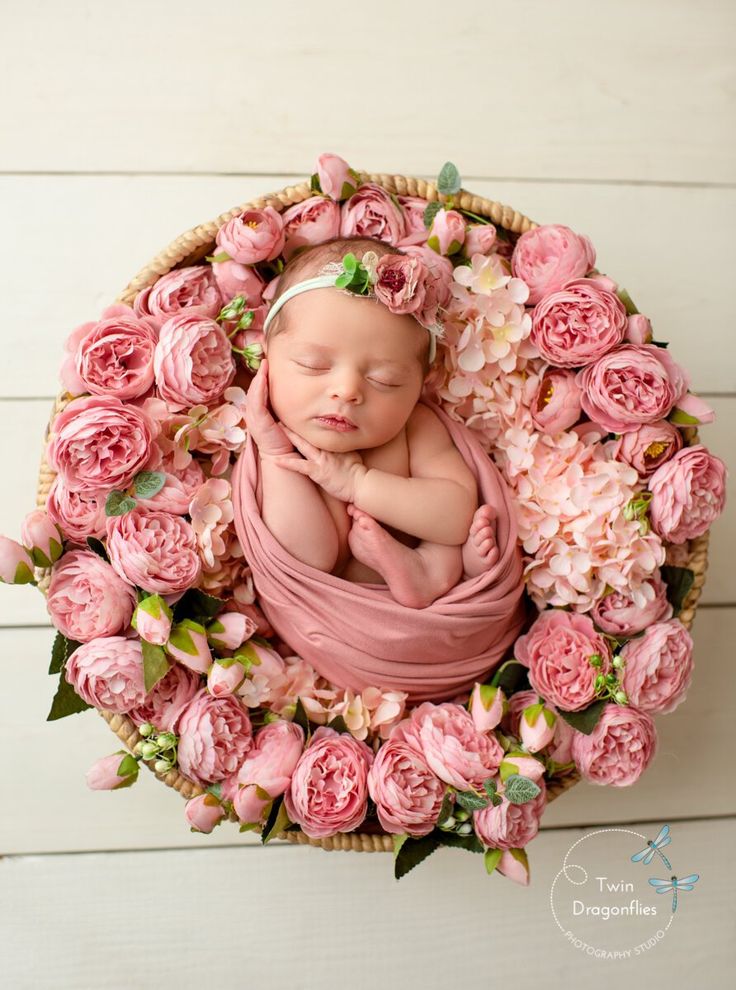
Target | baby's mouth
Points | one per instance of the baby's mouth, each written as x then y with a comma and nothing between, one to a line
336,422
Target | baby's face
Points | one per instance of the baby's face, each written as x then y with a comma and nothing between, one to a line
344,356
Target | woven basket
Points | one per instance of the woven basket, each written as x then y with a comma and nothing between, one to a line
190,248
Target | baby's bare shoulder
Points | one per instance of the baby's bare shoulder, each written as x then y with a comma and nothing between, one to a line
432,453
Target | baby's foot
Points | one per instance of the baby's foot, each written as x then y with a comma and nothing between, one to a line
480,551
401,567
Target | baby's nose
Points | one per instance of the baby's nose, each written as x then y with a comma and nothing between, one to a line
347,386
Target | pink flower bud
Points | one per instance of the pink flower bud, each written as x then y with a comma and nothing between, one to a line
152,620
638,329
249,806
479,239
556,405
537,727
336,179
188,644
694,409
16,565
42,537
486,706
225,677
447,233
203,812
229,630
522,763
112,772
514,864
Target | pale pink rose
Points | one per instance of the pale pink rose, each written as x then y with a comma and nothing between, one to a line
578,323
550,255
167,699
688,494
447,233
619,749
328,792
104,774
211,511
215,735
480,238
225,677
631,385
639,329
486,706
416,231
336,178
557,651
193,361
203,812
408,796
115,357
452,746
108,673
556,406
77,514
192,290
275,753
400,283
234,279
42,537
370,212
658,667
618,614
87,599
312,221
649,446
252,236
16,564
153,550
99,443
510,826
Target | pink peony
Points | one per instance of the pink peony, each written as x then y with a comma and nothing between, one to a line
215,735
658,667
557,650
619,749
234,279
328,792
252,236
556,406
510,826
447,233
688,494
400,283
454,749
408,796
619,615
336,178
115,357
631,385
193,362
649,446
416,232
87,599
371,212
192,290
275,753
108,673
78,514
167,699
578,323
312,221
99,443
153,550
550,255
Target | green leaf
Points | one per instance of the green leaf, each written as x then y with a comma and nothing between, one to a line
198,605
249,827
155,664
412,852
471,801
471,842
680,418
128,766
489,786
627,301
118,503
350,262
277,821
448,181
446,807
532,713
586,719
492,858
679,581
314,185
430,212
343,281
338,724
510,677
398,839
222,256
301,718
98,547
61,650
215,789
520,789
660,343
149,483
66,701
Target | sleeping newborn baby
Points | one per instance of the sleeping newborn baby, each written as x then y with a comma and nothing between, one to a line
359,479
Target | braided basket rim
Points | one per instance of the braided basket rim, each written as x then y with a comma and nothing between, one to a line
189,248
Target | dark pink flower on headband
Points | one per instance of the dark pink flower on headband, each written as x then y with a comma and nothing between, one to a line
400,283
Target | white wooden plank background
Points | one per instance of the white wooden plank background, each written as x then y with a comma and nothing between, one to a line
121,128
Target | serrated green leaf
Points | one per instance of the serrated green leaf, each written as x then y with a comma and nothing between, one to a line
471,843
98,547
489,786
586,719
520,789
155,664
471,801
679,581
430,212
412,852
277,821
448,181
398,839
59,653
197,605
118,503
149,483
66,701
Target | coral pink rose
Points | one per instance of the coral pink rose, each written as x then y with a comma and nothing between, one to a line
310,222
167,699
649,446
215,736
336,179
115,357
203,812
557,650
447,233
556,405
578,323
87,599
510,826
658,667
77,514
618,614
328,792
98,443
619,749
108,673
688,494
275,753
400,283
370,212
193,290
416,231
480,238
454,749
153,550
252,236
550,255
407,794
193,361
234,279
632,385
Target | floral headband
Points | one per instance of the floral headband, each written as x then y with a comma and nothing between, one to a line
401,282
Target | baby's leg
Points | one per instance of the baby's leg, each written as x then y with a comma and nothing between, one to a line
415,577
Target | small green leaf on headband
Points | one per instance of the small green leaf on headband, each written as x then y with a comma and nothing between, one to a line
342,281
350,262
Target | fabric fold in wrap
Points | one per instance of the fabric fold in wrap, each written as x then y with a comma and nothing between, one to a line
355,634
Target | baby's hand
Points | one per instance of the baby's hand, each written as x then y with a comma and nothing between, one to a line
339,474
268,435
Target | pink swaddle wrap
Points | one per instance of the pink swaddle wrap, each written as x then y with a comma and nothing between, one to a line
356,635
